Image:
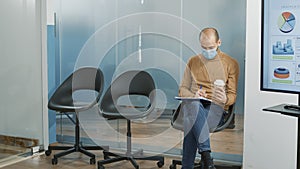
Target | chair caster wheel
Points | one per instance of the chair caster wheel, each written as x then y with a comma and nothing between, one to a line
48,152
105,155
54,161
172,166
160,164
92,161
101,167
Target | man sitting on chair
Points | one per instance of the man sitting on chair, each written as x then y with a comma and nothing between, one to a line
201,117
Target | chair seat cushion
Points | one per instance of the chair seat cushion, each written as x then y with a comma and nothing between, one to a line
127,112
71,107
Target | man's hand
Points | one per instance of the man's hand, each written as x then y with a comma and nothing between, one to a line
201,93
219,95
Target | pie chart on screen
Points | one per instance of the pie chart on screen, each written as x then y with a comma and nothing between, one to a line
286,22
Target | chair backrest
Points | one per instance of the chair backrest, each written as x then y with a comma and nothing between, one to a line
166,83
85,78
177,119
132,82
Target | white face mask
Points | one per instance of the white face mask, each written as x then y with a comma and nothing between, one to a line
209,54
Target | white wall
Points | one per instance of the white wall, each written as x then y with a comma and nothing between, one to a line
269,138
50,11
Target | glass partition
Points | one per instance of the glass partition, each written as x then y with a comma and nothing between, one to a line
152,35
21,87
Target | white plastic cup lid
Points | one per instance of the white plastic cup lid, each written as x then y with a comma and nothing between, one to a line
219,82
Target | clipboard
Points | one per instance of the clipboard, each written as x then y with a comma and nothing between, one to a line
193,98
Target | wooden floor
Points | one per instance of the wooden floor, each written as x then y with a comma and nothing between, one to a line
7,151
228,141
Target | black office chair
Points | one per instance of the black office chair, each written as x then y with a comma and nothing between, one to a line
166,83
128,84
177,123
64,100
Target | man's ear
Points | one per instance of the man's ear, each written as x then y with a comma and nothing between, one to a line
219,42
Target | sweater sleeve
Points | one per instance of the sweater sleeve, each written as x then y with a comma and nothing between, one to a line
184,88
233,75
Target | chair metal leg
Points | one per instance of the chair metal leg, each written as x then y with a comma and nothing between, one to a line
83,151
111,160
129,155
134,163
174,163
72,150
75,148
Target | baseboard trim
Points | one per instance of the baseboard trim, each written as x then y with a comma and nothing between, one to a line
18,141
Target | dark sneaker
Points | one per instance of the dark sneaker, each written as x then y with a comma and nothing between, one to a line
209,164
207,161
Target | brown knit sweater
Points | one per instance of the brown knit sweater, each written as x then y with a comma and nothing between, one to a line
200,71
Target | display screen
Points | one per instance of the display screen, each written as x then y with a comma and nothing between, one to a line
280,67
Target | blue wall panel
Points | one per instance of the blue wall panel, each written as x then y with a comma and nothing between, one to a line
51,79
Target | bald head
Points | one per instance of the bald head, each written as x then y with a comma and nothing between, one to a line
209,33
209,38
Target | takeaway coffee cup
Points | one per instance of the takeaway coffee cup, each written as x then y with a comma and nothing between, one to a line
219,83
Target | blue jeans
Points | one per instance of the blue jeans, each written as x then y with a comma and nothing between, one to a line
199,120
